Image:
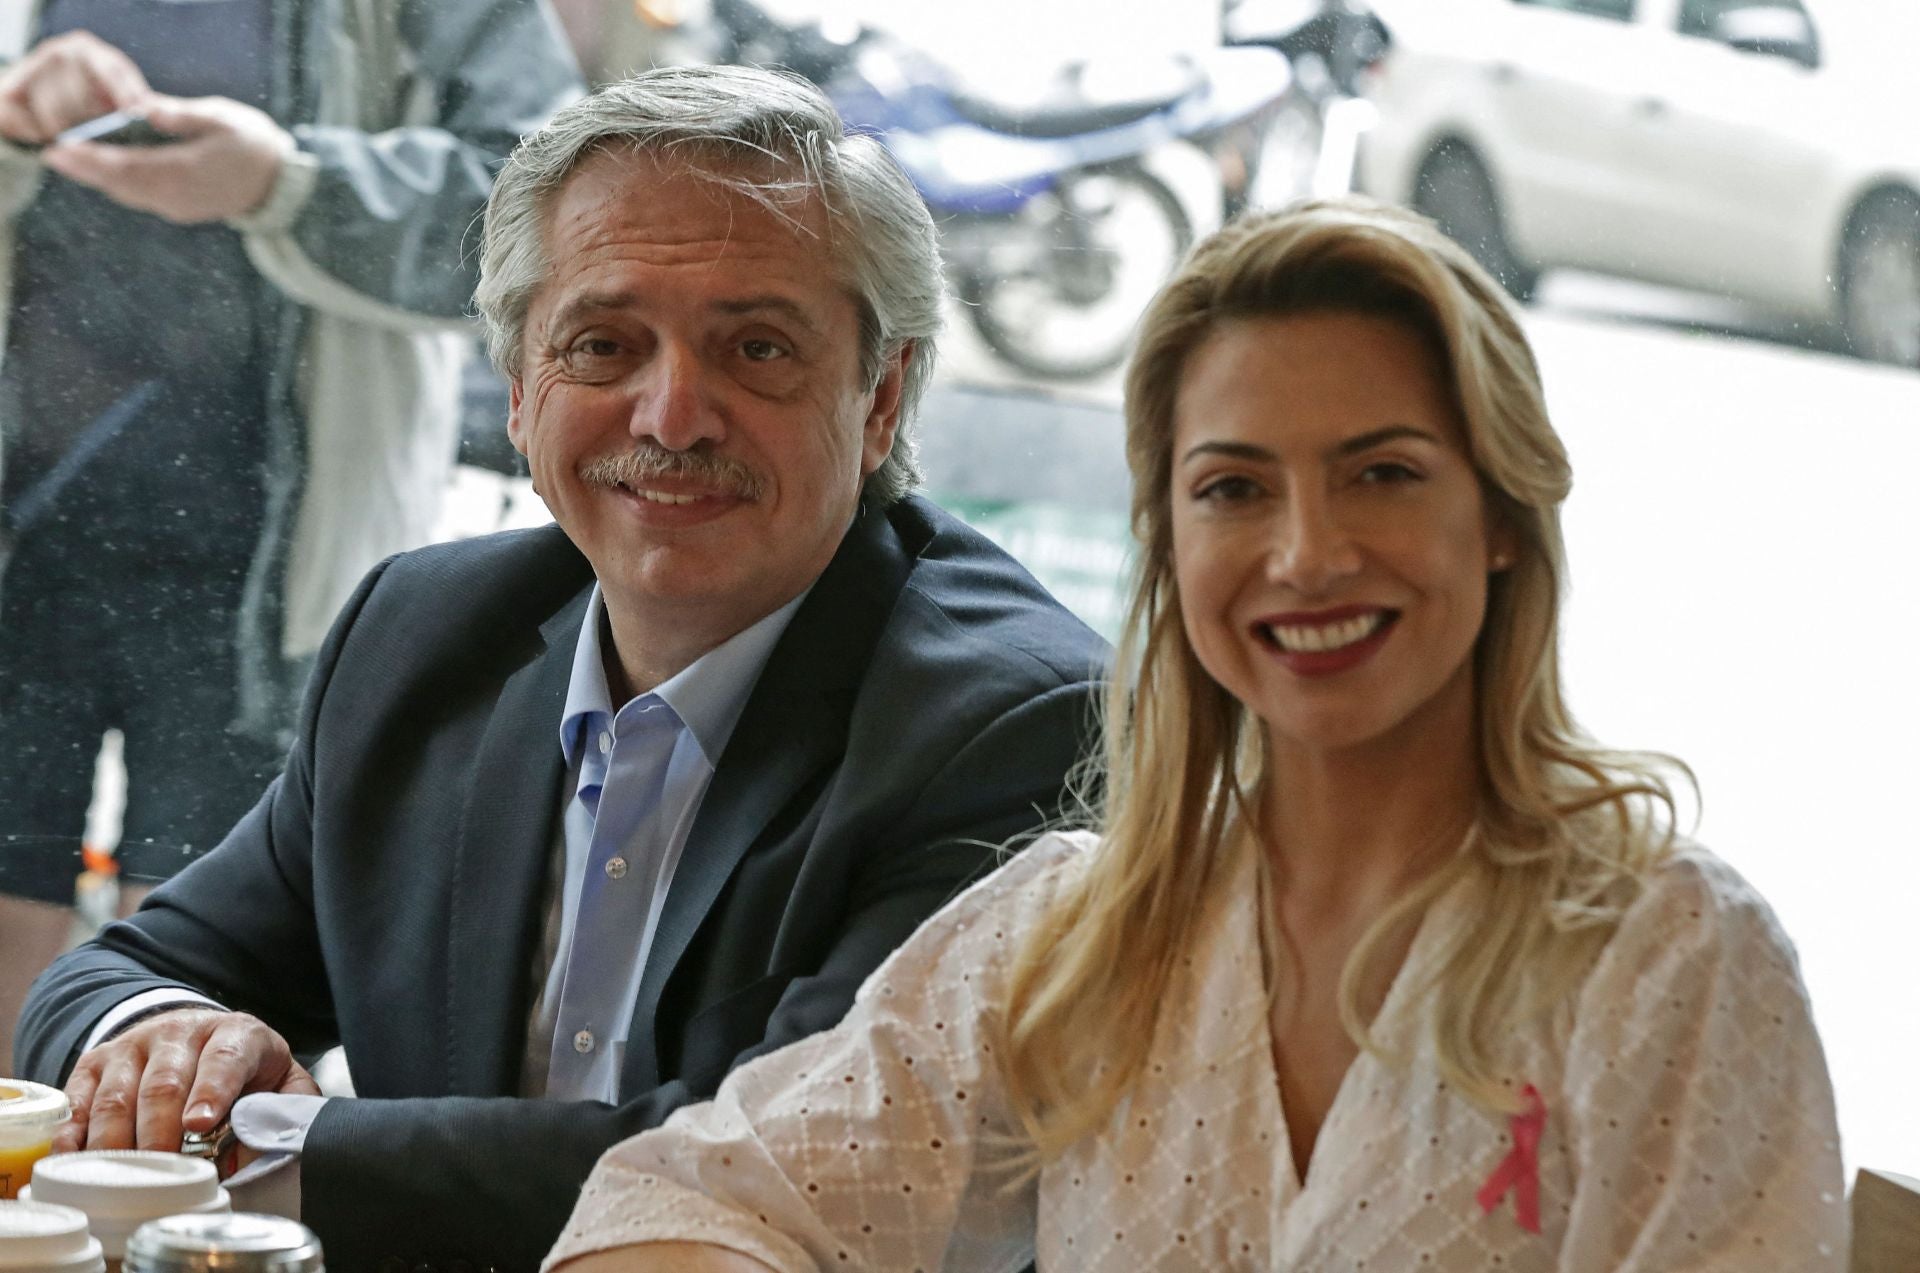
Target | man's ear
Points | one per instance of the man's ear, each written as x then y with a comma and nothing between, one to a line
883,417
516,428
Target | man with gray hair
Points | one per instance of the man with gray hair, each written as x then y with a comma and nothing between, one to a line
578,819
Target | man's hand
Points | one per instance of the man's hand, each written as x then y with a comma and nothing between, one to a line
174,1072
64,81
224,164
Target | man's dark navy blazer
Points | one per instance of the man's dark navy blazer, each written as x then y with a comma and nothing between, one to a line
924,706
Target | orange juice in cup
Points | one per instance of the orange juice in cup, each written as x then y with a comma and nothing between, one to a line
29,1115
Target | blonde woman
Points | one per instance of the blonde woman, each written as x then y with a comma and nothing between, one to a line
1376,962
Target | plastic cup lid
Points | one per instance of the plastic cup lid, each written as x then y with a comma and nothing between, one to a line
22,1102
39,1235
240,1240
126,1183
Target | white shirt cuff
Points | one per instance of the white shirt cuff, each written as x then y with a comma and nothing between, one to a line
120,1013
273,1125
275,1122
269,1184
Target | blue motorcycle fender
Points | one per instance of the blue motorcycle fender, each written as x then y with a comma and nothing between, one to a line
963,169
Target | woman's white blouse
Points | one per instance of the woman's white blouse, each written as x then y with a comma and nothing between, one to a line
1689,1124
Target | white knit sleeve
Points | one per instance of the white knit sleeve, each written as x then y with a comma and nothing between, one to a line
1701,1115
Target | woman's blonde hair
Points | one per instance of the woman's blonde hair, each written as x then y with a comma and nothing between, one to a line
1564,830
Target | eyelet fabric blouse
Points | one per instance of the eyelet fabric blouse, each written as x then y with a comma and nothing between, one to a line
1689,1126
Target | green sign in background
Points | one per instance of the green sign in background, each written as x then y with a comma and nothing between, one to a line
1081,555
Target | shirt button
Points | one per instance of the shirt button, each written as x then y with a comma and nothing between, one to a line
606,742
583,1041
616,868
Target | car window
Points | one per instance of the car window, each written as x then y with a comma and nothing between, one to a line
1702,17
1618,10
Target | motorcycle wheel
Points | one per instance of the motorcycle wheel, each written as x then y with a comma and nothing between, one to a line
1090,255
1880,282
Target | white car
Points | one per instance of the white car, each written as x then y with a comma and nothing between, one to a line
1692,143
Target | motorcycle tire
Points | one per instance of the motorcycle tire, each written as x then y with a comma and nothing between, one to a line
1010,310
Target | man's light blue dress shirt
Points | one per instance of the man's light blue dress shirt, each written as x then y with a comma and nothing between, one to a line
637,775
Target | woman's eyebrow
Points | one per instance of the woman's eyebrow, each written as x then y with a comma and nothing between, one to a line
1375,437
1233,450
1346,447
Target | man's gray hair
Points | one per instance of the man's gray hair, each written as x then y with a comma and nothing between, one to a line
769,136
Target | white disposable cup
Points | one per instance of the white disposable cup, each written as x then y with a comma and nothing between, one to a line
122,1189
29,1115
38,1237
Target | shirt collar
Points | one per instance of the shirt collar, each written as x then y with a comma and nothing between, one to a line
707,695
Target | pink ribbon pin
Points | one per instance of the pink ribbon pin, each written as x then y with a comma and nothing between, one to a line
1520,1169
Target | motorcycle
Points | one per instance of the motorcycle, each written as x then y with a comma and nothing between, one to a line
1055,231
1312,141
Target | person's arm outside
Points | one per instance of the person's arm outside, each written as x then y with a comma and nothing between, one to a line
372,224
58,83
380,225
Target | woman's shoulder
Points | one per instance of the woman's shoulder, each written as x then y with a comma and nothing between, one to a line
1695,911
1694,888
1023,886
980,928
1044,863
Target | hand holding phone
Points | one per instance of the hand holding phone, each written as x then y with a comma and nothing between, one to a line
66,80
220,158
117,128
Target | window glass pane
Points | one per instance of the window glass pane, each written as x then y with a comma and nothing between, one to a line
1722,290
1701,17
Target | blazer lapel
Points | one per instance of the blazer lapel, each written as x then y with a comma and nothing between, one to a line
501,858
794,723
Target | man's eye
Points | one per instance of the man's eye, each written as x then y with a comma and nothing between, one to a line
760,350
596,347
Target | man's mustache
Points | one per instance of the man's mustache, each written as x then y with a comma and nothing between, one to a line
651,462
